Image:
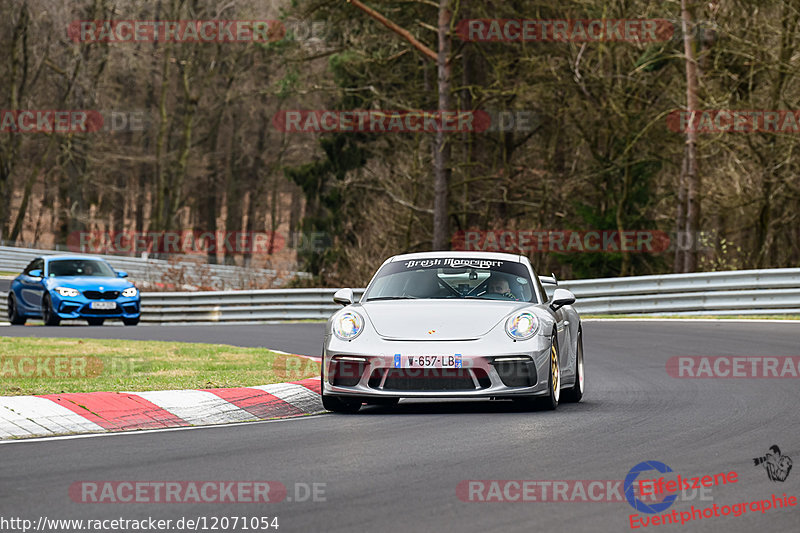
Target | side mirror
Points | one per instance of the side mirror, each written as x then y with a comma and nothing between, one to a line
343,296
36,273
122,274
561,297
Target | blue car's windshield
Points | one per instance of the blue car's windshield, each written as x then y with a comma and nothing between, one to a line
79,267
446,278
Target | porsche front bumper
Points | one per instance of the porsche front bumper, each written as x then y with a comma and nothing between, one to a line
486,368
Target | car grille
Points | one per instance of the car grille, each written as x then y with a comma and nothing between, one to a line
87,310
97,295
429,379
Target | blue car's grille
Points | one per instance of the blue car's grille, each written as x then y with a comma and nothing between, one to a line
87,310
97,295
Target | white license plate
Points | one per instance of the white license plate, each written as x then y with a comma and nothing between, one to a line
104,305
427,361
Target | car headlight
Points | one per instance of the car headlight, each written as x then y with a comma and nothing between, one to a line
348,326
522,326
130,291
67,291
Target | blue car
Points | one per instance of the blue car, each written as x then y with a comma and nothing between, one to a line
56,288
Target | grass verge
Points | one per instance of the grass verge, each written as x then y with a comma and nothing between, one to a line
46,366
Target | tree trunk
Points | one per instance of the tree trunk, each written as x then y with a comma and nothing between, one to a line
17,82
442,156
692,174
680,219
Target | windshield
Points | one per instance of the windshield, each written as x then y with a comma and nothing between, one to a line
449,278
80,267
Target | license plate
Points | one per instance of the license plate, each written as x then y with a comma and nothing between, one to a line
104,305
427,361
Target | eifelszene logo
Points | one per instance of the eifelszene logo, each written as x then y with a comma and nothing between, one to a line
630,480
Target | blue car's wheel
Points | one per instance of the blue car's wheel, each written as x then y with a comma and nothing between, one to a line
13,313
130,321
49,316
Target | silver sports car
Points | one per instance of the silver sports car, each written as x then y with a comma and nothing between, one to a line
454,325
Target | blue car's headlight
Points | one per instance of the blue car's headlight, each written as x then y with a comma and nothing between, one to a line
522,326
67,291
347,326
130,291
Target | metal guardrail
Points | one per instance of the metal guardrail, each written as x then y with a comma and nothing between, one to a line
738,292
14,259
238,306
746,292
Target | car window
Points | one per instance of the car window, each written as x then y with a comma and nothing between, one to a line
80,267
36,264
543,288
449,278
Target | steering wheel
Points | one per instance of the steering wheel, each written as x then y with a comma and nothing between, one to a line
482,286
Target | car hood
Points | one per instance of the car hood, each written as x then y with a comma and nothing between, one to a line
90,283
437,320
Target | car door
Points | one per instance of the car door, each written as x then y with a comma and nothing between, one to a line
32,287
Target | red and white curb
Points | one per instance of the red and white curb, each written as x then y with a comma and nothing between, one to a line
99,412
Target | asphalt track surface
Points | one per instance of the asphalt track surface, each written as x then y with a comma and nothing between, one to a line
397,470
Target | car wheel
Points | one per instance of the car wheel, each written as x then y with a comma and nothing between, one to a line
95,321
550,402
338,404
130,321
575,393
13,313
49,316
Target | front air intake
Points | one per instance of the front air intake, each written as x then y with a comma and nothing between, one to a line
346,373
516,371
